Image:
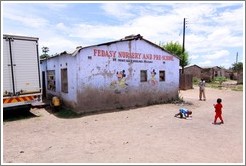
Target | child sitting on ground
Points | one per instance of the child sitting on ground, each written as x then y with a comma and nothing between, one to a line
183,113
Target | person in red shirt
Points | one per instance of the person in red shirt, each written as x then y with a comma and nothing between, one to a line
218,111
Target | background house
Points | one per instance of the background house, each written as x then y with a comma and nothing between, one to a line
209,73
193,70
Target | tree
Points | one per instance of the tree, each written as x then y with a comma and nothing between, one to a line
177,49
45,55
237,67
45,50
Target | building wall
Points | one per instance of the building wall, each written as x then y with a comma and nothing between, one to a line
207,74
240,78
218,72
56,64
210,73
229,74
103,77
98,84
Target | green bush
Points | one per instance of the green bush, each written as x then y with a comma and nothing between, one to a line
195,80
220,79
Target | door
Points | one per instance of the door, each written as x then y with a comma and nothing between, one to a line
8,79
43,84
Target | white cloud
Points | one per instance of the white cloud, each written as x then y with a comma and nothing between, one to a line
27,16
204,63
27,20
213,29
57,7
61,26
219,33
217,55
193,11
193,57
215,38
58,44
160,28
118,10
232,18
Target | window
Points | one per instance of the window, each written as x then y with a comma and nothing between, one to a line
143,76
64,81
162,75
51,81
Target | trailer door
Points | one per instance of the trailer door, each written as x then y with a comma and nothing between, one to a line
7,71
26,66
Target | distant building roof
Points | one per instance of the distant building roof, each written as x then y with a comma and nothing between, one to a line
210,67
192,66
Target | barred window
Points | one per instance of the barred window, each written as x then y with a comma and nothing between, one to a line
64,80
162,75
143,76
51,80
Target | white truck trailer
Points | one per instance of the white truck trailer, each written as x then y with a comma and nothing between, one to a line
21,72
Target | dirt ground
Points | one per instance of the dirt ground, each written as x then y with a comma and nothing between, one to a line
144,135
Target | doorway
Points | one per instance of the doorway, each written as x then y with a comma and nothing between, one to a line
43,85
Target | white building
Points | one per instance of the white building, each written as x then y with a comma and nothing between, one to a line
125,73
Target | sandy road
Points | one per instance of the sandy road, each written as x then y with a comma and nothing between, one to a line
143,135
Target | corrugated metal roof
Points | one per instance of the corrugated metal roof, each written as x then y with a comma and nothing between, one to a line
127,38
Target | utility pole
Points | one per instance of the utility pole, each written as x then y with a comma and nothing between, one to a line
183,49
183,36
237,58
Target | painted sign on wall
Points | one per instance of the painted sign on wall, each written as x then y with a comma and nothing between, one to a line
133,56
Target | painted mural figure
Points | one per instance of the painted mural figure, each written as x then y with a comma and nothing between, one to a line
153,80
120,84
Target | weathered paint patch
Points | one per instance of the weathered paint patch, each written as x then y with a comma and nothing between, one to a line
91,99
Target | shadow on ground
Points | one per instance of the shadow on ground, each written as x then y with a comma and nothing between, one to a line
17,114
67,113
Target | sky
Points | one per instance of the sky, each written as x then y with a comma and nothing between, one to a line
214,33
